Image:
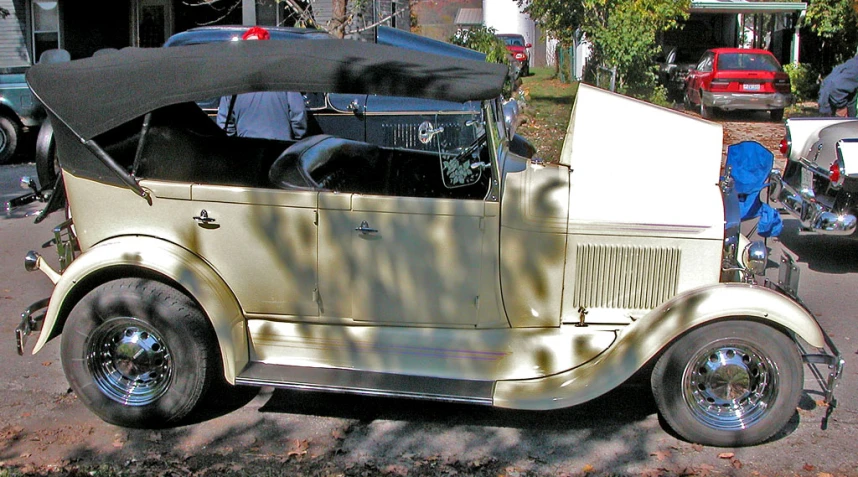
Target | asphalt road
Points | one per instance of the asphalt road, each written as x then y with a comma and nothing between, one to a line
43,426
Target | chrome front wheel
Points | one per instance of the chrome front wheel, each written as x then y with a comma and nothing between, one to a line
730,387
729,383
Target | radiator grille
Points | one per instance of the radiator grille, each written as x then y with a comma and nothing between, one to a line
627,277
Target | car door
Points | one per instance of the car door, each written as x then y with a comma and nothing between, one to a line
342,115
407,123
263,242
396,259
697,77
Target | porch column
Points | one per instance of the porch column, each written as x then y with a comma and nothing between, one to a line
248,12
796,39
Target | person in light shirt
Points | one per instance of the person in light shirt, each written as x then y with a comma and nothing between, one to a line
268,114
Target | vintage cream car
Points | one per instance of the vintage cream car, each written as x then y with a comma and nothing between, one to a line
469,275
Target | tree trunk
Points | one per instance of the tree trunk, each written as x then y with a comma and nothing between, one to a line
338,18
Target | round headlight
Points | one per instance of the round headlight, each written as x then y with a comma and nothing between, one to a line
756,257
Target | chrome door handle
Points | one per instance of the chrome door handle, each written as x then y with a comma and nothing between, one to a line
364,228
204,218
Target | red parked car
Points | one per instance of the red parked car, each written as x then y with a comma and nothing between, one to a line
738,79
517,47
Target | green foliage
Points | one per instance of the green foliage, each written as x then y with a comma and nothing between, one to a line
803,81
829,18
834,23
484,40
622,32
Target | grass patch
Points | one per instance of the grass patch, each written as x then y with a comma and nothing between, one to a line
545,112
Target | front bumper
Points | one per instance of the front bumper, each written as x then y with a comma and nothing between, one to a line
812,214
787,284
747,101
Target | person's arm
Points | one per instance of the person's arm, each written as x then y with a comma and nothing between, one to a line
222,112
823,102
297,115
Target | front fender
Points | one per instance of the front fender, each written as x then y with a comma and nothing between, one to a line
169,260
638,343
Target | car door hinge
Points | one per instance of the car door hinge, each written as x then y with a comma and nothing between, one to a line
316,218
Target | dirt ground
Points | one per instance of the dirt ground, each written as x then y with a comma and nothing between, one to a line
41,438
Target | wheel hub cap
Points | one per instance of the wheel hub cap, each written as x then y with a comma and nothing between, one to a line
729,387
129,362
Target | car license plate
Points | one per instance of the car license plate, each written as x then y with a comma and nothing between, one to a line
750,87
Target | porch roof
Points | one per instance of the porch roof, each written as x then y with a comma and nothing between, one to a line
745,6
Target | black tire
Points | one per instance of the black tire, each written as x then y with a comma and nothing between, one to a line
777,114
706,112
47,166
138,353
728,384
10,132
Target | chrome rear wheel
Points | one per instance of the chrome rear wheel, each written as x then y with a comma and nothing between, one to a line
138,352
130,362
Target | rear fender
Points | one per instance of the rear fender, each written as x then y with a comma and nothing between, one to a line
163,258
644,339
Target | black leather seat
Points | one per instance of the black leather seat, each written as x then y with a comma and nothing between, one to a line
329,162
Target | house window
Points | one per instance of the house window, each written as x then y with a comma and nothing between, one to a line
46,26
156,22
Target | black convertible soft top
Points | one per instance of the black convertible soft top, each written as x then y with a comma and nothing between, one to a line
94,95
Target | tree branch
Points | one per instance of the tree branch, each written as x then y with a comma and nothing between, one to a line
223,11
411,3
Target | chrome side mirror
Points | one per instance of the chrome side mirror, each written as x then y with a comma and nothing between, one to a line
510,116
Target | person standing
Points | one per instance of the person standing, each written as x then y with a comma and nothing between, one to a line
268,114
839,88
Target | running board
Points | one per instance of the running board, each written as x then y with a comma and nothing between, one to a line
366,383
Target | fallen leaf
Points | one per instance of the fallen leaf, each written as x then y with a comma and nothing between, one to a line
824,474
46,363
661,455
588,468
736,463
726,455
809,467
697,447
299,448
